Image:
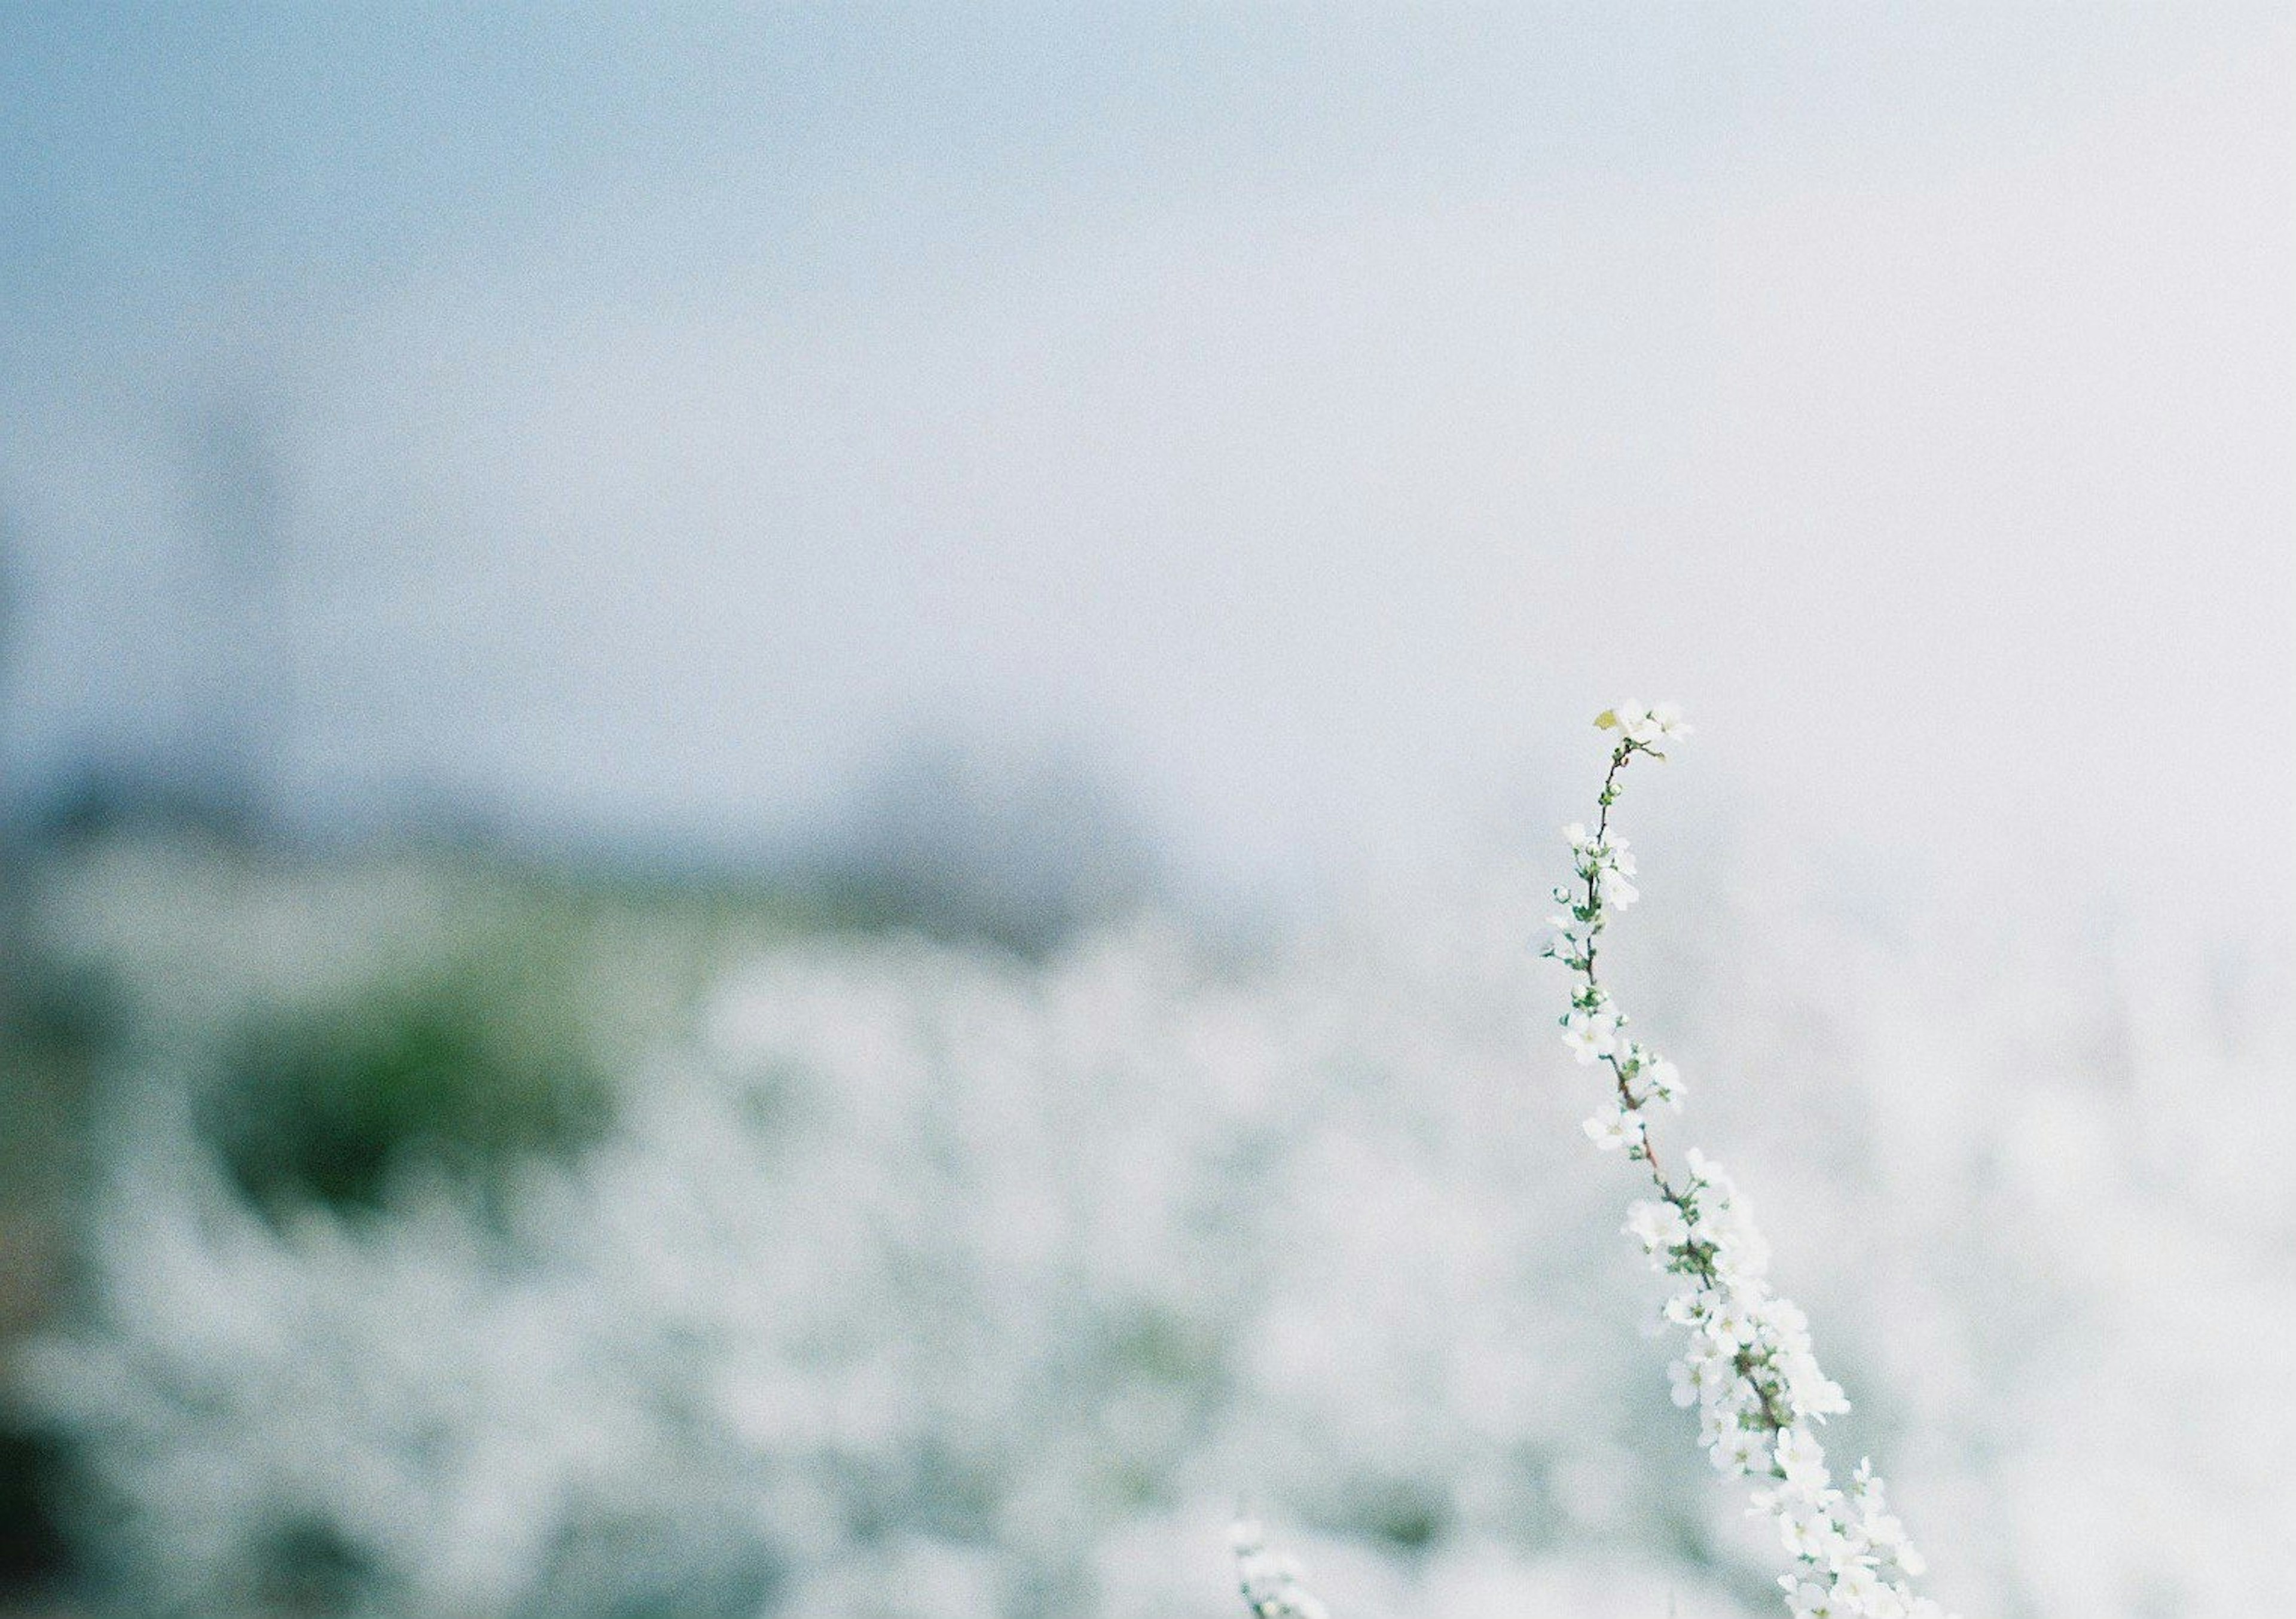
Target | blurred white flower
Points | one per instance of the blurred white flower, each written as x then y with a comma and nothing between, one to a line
1273,1582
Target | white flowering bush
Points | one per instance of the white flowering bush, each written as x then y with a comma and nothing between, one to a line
919,1282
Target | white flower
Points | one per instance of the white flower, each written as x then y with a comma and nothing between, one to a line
1685,1309
1859,1590
1631,719
1730,1322
1741,1254
1644,725
1886,1535
1802,1460
1808,1532
1704,1382
1591,1036
1808,1599
1615,1129
1686,1383
1742,1451
1811,1390
1659,1226
1785,1320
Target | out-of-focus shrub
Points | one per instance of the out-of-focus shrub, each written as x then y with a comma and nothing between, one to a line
462,1063
58,1025
923,1283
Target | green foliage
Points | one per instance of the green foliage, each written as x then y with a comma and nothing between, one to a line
464,1063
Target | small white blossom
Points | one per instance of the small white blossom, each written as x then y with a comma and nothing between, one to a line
1802,1460
1808,1532
1659,1226
1591,1036
1703,1382
1859,1590
1742,1451
1812,1392
1646,726
1730,1322
1686,1386
1633,720
1614,1129
1807,1598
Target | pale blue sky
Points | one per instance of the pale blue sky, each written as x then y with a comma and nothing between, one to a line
1316,411
191,149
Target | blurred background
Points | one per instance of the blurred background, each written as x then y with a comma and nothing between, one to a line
774,786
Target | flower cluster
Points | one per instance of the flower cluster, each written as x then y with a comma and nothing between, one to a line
1644,727
1749,1368
1270,1581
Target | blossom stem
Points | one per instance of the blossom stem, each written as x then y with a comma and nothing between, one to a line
1750,1366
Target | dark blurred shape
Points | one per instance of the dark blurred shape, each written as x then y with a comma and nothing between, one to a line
464,1063
57,1021
101,797
311,1570
34,1560
966,841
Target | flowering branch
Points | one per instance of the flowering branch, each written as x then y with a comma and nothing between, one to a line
1749,1367
1270,1581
